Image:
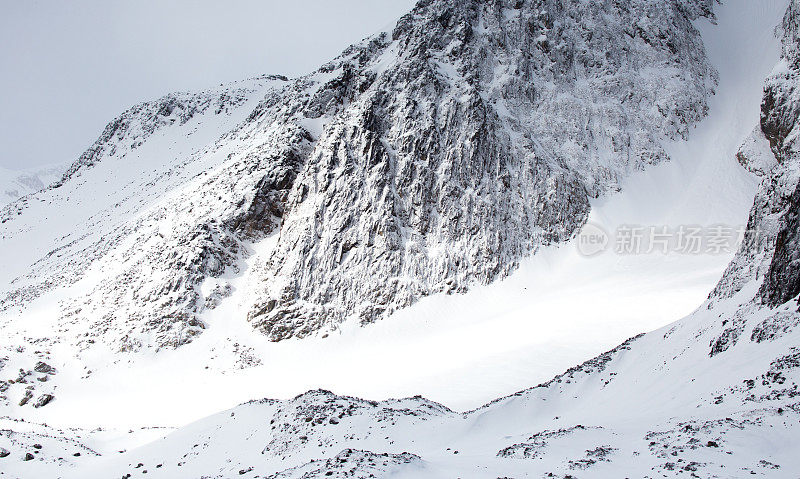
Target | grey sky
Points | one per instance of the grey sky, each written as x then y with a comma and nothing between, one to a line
67,68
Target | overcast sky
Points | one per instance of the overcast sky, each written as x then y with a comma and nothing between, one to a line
68,67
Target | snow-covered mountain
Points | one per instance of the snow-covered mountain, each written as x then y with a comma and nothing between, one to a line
15,184
713,395
267,192
422,160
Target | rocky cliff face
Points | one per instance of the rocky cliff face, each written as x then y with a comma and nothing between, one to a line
482,130
419,161
770,248
781,123
770,254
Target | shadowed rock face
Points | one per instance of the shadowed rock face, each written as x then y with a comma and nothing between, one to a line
781,125
770,252
782,282
419,161
770,248
473,135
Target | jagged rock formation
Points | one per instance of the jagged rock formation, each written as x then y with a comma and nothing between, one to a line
773,151
770,250
147,226
481,132
781,124
419,161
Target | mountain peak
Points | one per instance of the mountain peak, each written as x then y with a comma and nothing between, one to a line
433,159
